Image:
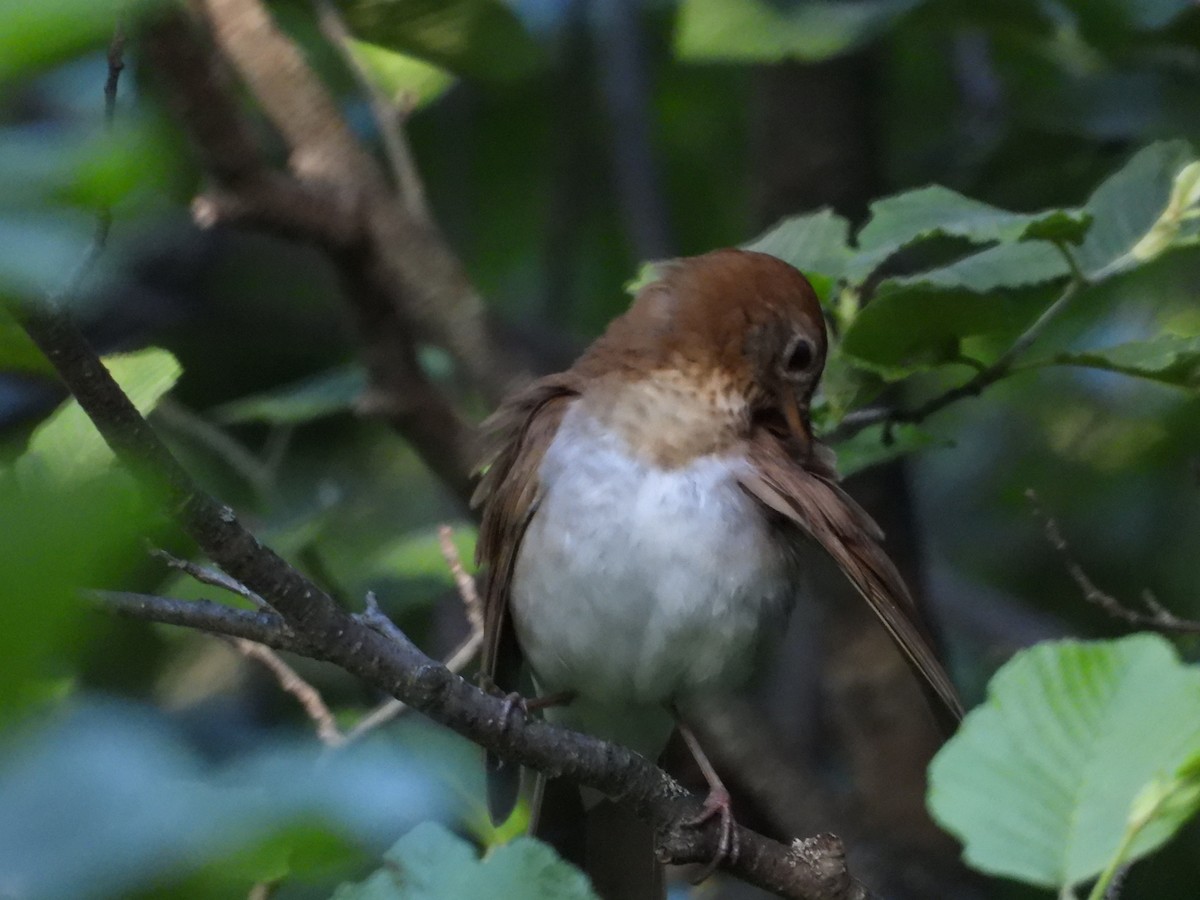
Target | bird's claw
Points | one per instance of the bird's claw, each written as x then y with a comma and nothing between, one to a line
513,702
717,805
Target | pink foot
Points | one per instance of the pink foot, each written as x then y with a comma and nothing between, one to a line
717,805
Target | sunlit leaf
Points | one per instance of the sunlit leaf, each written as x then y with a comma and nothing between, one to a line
1041,781
480,38
765,31
1140,212
404,78
430,863
68,447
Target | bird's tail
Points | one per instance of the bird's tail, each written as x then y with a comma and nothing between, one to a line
609,843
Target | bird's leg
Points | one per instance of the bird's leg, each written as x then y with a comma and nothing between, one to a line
717,805
517,702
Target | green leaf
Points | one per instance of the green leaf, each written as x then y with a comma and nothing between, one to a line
1001,266
868,448
1142,211
324,394
418,554
910,327
401,76
37,35
1042,779
430,863
817,243
110,800
68,447
765,31
17,352
1169,358
904,219
480,38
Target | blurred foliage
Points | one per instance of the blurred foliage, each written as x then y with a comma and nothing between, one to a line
1008,135
430,863
105,799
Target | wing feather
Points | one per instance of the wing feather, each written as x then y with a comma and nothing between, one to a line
810,498
515,439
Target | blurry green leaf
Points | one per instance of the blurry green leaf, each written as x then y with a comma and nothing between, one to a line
480,38
69,520
110,800
419,555
324,394
816,243
909,327
57,538
904,219
771,31
868,448
1001,266
112,164
17,352
1040,781
430,863
1142,211
1060,226
38,35
844,386
403,78
87,166
68,447
1169,358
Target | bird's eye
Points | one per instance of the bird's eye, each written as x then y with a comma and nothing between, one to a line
800,357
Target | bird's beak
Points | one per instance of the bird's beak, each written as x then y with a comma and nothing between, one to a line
795,413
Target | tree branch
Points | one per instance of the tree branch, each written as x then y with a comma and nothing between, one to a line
381,254
811,870
407,259
1156,618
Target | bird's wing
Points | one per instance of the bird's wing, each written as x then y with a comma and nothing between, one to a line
515,438
809,498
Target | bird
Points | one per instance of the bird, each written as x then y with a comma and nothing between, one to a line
648,515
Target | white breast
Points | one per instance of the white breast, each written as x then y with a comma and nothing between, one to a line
637,585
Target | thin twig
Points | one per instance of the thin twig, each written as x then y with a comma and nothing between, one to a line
856,421
463,654
1157,618
209,576
388,116
465,584
291,682
204,615
116,65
